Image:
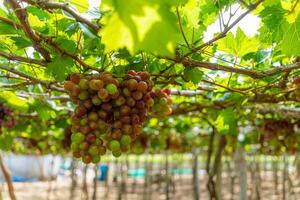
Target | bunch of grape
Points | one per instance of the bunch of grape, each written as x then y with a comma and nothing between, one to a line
174,142
66,141
296,85
110,112
140,145
280,133
8,118
162,102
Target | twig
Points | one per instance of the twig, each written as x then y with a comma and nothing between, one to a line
14,57
226,30
22,16
181,29
50,5
49,41
251,73
48,85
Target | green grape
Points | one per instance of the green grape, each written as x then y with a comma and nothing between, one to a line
93,150
96,159
75,146
77,137
117,153
111,88
114,145
83,84
125,140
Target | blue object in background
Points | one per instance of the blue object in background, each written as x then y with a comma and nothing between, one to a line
104,172
136,173
23,179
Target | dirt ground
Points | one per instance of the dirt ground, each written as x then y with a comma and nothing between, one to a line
181,188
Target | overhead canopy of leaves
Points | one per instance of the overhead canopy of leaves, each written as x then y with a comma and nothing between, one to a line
224,83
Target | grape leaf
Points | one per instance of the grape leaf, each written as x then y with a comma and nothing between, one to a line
60,67
226,121
291,38
14,101
81,5
141,25
272,18
194,74
239,45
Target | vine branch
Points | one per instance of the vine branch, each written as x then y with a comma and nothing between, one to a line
23,18
50,5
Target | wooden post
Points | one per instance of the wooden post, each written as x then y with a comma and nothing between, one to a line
150,179
120,183
219,180
7,177
137,166
257,179
196,174
107,188
275,174
95,182
50,188
241,169
284,176
167,178
146,178
232,179
73,179
84,183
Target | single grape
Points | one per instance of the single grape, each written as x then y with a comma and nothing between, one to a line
96,159
75,78
117,153
83,95
87,159
103,94
93,150
90,138
132,84
83,84
114,145
137,95
96,84
68,85
142,86
125,140
96,100
111,89
93,116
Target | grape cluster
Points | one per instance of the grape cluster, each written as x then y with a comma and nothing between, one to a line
162,102
109,114
296,85
280,133
8,118
174,142
66,141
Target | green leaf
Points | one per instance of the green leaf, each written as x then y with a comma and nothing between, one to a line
141,25
69,45
42,15
60,67
14,101
6,29
239,45
43,109
81,5
272,17
21,42
226,122
194,74
6,141
291,38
